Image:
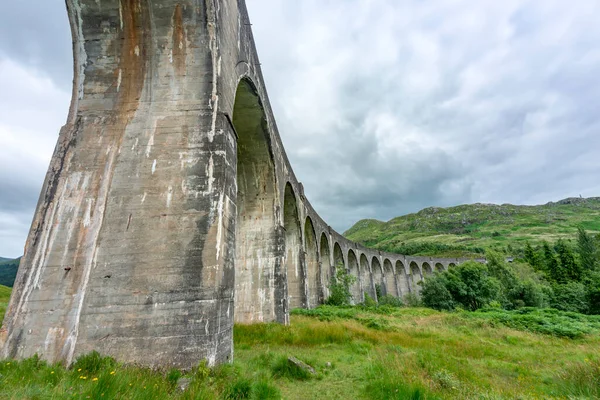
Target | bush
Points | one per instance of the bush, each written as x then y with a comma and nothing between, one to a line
339,288
435,294
593,292
389,300
369,302
412,300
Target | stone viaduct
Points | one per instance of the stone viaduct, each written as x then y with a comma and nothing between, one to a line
170,209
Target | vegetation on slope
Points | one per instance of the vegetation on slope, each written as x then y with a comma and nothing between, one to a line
4,298
8,271
358,352
469,230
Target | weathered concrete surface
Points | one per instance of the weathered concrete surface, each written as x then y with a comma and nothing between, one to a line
170,209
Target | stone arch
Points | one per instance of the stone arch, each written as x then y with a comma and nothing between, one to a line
354,270
401,278
377,272
426,268
312,263
294,254
451,265
415,277
325,267
365,278
439,267
338,257
259,283
390,280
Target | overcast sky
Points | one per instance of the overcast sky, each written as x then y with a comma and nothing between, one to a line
385,107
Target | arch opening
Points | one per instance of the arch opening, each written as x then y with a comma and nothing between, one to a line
439,267
354,270
256,268
366,279
294,254
427,270
325,268
338,257
415,278
451,265
312,263
401,278
378,281
390,280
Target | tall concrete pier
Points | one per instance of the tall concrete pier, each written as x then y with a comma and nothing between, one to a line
170,209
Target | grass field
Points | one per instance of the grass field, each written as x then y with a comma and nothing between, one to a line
406,353
467,230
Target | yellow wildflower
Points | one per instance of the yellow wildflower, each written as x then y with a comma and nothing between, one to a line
112,372
95,379
79,370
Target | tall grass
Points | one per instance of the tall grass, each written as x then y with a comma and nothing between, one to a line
421,354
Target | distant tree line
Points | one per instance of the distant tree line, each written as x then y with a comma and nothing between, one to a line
565,276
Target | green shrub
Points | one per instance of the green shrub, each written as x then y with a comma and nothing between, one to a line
389,300
339,288
435,294
369,302
412,300
593,292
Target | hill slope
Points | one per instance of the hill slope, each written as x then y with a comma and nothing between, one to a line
8,271
468,229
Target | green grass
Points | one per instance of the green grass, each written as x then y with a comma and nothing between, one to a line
419,354
467,230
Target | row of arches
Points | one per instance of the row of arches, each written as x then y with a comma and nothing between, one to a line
285,259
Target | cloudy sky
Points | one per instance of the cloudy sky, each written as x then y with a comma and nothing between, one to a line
385,106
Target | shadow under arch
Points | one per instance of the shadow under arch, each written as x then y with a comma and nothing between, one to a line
402,279
354,270
259,279
415,278
338,257
325,268
439,267
378,281
389,278
365,278
294,253
427,270
312,263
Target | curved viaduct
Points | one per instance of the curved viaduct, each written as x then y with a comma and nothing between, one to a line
170,209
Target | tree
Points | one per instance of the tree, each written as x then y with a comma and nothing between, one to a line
435,294
587,250
551,265
570,270
532,257
471,285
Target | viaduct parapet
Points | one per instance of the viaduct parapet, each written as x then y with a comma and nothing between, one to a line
170,209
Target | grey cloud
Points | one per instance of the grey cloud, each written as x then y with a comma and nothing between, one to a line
384,107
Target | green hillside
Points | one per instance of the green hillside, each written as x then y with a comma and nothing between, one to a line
469,229
8,271
4,297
